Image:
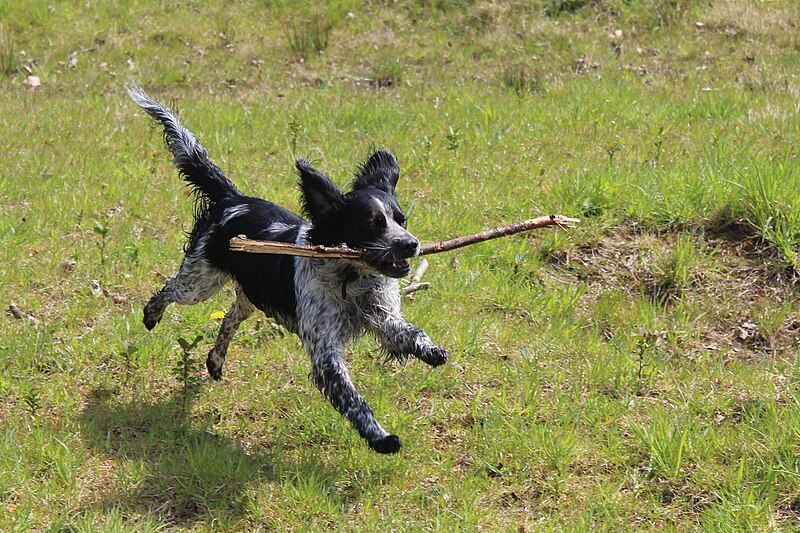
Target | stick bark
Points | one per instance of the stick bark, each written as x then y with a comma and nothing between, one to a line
243,244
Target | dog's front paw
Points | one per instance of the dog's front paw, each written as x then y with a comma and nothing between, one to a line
388,444
434,356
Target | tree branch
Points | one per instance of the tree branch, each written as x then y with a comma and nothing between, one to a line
243,244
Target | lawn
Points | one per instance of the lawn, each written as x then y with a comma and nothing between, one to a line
637,372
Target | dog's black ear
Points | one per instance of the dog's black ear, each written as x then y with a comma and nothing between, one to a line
379,171
320,195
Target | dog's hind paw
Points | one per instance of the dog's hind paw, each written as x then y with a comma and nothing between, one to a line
388,444
214,370
150,320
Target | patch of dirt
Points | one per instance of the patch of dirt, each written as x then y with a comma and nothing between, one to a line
742,300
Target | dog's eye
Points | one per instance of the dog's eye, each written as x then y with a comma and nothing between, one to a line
400,219
379,220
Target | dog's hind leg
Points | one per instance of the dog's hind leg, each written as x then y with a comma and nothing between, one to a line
195,282
239,312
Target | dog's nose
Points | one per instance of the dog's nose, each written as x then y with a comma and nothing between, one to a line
410,247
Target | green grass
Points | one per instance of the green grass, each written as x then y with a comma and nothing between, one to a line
637,372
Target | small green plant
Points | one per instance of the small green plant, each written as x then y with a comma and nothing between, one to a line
9,59
770,203
521,79
666,447
128,353
554,8
185,371
309,36
294,132
427,147
225,29
387,71
645,343
677,272
102,230
557,448
770,318
32,399
658,144
665,13
453,138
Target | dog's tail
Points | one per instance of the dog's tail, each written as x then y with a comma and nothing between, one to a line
205,178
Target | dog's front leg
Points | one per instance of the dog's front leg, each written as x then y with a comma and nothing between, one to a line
400,338
331,377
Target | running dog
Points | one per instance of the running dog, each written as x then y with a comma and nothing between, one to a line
326,302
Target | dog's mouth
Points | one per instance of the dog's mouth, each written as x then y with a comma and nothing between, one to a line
394,269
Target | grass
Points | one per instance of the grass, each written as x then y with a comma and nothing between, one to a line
577,397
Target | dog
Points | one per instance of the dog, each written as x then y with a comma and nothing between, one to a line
326,302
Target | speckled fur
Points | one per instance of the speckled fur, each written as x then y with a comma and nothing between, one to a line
304,295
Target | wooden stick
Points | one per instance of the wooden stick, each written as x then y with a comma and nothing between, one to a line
494,233
243,244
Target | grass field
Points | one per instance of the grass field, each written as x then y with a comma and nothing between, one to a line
637,372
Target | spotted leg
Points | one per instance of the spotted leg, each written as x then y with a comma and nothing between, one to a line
240,310
401,338
324,330
194,282
331,377
398,336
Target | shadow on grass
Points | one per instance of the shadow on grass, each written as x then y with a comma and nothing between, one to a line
181,473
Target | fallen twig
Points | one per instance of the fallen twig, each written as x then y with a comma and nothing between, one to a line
243,244
414,287
419,272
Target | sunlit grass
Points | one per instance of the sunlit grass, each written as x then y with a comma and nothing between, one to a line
598,377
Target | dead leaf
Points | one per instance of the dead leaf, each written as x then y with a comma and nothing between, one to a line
119,298
33,81
73,59
114,211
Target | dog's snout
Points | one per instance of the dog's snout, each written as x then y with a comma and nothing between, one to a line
409,247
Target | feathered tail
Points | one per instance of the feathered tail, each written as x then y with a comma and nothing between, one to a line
205,178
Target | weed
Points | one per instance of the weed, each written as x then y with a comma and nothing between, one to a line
128,353
9,58
295,128
770,319
557,447
308,36
666,13
666,445
677,272
33,401
770,202
521,79
102,230
453,138
185,371
554,8
387,71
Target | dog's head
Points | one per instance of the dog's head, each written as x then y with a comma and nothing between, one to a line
368,217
